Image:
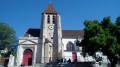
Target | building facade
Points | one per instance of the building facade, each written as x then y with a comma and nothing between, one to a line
50,42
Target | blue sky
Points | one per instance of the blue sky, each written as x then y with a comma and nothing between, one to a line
24,14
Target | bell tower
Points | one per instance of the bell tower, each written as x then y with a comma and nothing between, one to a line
51,35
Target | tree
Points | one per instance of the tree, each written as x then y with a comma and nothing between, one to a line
103,36
7,38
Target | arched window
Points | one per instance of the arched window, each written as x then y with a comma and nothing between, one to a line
48,19
53,19
28,51
70,46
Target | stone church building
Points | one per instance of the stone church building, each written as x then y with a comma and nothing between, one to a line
50,42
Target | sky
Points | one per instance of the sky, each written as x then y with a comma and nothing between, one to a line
24,14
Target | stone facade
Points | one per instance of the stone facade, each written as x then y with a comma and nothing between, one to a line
25,43
49,43
51,36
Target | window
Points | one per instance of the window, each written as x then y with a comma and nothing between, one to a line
48,19
70,46
51,37
28,51
53,19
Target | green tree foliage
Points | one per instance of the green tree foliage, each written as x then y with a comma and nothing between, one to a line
7,38
104,36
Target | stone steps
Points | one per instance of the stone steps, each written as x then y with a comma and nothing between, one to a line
81,64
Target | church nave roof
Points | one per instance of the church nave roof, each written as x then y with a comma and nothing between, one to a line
34,32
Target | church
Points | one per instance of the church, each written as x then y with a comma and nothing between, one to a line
49,42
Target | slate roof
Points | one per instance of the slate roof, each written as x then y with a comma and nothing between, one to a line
33,32
50,9
65,33
72,33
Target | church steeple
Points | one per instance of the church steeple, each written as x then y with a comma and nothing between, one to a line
51,35
50,9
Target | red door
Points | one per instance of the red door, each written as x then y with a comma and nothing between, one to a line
74,56
27,59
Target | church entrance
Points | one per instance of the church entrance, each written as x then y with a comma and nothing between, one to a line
74,56
27,57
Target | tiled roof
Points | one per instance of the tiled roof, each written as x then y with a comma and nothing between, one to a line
72,33
50,9
65,33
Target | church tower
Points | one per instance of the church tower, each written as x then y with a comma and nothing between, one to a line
51,35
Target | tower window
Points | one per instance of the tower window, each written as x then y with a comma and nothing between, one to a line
53,19
51,37
48,19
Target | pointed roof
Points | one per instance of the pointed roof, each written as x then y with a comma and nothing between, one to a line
50,9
